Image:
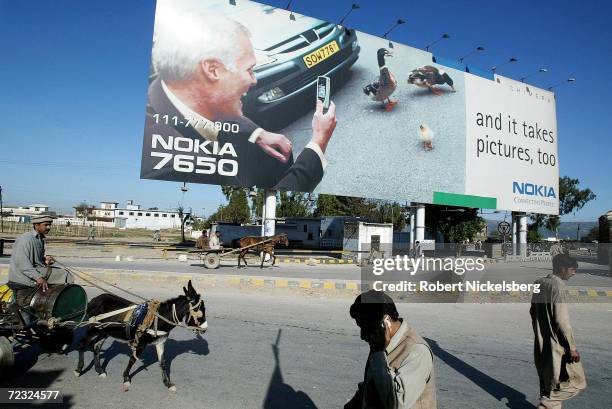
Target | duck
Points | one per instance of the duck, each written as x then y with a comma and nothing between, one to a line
429,77
382,89
426,137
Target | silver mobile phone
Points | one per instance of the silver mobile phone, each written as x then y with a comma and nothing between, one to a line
323,91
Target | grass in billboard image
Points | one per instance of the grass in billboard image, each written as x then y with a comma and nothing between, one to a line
401,126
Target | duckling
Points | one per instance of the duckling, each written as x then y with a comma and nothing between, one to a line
382,89
429,77
426,136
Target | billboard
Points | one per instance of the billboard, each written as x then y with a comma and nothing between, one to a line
232,100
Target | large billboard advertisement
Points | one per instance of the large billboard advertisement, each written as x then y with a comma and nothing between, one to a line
235,99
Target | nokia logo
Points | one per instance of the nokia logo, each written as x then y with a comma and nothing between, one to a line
531,189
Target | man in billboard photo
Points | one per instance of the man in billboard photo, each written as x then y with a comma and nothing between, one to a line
399,371
556,357
205,65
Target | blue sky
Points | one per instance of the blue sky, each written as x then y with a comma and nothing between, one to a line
74,83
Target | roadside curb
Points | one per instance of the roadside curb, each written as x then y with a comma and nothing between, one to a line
314,260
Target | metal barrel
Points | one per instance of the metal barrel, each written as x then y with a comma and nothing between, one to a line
64,302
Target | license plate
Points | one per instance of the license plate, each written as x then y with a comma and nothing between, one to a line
321,54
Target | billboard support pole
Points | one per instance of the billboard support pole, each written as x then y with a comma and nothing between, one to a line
420,223
523,234
412,228
514,235
269,219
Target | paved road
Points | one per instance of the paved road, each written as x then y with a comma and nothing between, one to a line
483,357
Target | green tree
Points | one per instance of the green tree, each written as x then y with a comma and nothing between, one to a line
455,223
330,205
236,211
293,204
534,236
571,199
83,210
593,234
394,213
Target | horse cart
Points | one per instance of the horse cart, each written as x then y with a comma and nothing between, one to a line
211,258
42,320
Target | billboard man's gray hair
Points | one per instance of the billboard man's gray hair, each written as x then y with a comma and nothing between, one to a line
183,38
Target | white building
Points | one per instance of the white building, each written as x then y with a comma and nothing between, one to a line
133,217
23,214
361,237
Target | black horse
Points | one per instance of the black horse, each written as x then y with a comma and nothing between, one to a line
188,308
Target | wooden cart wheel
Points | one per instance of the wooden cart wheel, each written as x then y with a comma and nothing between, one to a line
212,260
7,357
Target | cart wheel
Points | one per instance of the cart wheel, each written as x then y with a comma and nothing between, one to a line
7,357
212,260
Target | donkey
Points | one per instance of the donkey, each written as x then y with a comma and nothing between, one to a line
189,308
265,248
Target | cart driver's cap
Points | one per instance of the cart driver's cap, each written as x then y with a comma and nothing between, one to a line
42,219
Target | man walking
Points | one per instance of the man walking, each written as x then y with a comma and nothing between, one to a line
399,372
556,249
556,357
92,233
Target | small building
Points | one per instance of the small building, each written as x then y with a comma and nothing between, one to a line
133,217
332,230
23,214
301,231
361,238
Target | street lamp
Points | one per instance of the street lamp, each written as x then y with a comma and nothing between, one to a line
288,8
510,61
474,51
541,70
443,37
1,213
397,23
355,6
571,79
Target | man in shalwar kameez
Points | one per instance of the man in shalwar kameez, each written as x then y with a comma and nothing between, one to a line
555,354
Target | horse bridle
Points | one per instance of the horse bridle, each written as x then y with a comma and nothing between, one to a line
195,312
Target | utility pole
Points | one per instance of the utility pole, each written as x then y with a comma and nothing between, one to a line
1,213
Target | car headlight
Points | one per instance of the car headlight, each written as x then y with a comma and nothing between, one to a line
261,59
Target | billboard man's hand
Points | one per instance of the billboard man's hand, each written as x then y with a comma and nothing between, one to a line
275,145
323,125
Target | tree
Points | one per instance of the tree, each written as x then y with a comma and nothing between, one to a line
83,210
236,211
292,204
571,197
330,205
457,224
393,213
593,234
534,236
552,223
